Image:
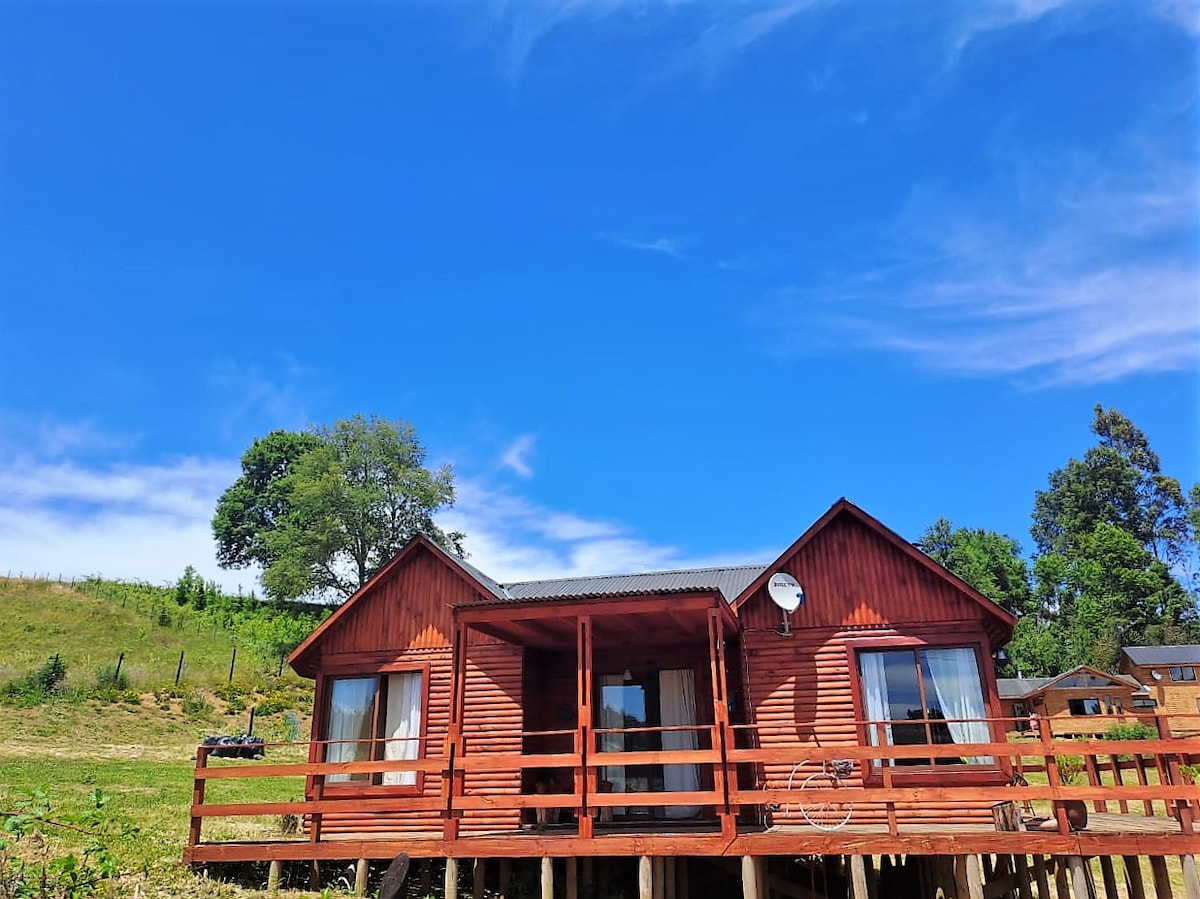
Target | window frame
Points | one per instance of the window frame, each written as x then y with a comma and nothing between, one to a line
379,672
1184,671
1080,702
919,775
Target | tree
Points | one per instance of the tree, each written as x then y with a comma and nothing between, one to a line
323,510
1108,530
258,502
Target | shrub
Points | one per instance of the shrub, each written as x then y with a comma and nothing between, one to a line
109,678
1070,768
36,687
195,705
273,702
51,675
1132,731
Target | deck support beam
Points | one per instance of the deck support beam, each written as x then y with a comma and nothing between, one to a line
858,878
645,878
1039,874
505,875
669,877
478,878
450,882
361,869
1109,876
273,872
751,887
1133,877
572,877
547,877
1191,877
1079,877
657,873
1162,880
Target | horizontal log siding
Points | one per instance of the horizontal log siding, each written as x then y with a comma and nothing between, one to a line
493,708
801,693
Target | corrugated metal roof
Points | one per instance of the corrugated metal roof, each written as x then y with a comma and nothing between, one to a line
1185,654
729,581
1017,687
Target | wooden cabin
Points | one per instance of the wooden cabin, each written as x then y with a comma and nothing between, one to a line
1171,675
1082,702
680,717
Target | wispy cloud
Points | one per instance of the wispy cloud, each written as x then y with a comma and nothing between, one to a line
516,455
704,36
513,539
668,246
275,395
1081,273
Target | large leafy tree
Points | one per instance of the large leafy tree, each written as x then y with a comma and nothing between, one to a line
332,512
1109,528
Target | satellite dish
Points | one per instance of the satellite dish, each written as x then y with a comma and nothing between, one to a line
785,591
1157,675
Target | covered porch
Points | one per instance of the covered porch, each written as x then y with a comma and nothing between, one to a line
625,713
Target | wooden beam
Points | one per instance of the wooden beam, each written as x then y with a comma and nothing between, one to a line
361,870
547,878
273,872
657,874
1039,873
478,877
450,881
1079,878
1191,877
1133,877
858,878
750,885
1109,876
975,878
645,878
572,877
1162,880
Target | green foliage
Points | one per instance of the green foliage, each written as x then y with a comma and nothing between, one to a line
36,687
1135,730
1070,768
53,870
322,510
109,678
988,561
194,705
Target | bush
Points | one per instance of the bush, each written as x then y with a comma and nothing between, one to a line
273,702
36,687
1070,768
195,705
51,675
109,678
1134,731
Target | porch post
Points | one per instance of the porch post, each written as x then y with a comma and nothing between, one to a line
452,774
585,780
716,659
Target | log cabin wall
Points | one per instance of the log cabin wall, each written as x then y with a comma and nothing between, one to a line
1181,698
860,590
1053,707
406,618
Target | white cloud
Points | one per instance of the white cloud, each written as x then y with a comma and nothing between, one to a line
1078,274
516,455
668,246
148,521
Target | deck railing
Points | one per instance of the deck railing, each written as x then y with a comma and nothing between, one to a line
742,771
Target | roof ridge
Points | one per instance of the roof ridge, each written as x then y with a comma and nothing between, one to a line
595,577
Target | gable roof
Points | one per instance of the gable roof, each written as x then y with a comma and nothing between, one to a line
1022,687
1184,654
729,582
474,577
844,507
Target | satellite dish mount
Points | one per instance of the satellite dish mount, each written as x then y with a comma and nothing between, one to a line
785,591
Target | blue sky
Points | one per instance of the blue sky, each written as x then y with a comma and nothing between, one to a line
662,280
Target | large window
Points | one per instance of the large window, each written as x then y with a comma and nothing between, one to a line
1084,706
926,696
1182,673
375,718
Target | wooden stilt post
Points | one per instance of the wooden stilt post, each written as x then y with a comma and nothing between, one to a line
589,874
1133,877
1079,878
505,876
1061,885
314,876
450,882
1162,880
657,876
572,877
1191,877
426,876
872,877
547,877
669,877
975,878
1109,875
478,876
645,878
1021,867
858,878
1039,873
962,887
273,872
681,877
361,870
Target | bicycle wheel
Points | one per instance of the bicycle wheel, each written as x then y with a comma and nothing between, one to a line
794,781
825,814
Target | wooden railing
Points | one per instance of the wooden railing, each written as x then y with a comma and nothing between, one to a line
739,774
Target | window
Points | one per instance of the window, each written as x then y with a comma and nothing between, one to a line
1144,702
375,718
1084,706
1183,673
940,685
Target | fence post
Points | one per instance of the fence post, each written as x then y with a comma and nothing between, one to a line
179,670
231,664
120,659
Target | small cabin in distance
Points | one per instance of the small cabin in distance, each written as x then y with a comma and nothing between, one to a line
433,657
1171,676
1082,702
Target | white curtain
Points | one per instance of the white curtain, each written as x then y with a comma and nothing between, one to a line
960,696
351,703
875,690
677,706
613,716
402,725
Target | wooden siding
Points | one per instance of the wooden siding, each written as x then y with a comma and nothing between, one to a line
1053,706
407,610
801,691
852,577
1176,698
